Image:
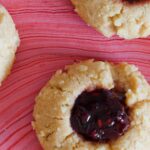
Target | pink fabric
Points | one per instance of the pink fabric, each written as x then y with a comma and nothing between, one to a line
52,35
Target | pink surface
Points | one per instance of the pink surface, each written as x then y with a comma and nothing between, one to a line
52,35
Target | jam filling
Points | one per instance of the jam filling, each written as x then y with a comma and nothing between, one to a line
135,1
100,115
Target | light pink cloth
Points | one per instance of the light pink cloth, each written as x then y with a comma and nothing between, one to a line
52,35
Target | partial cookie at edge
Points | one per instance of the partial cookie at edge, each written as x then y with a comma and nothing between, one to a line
9,41
115,17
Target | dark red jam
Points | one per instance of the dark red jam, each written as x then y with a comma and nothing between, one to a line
136,1
100,115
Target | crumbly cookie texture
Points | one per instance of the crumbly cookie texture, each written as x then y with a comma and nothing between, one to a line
9,41
116,17
54,103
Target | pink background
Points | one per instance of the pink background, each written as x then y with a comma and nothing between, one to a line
52,35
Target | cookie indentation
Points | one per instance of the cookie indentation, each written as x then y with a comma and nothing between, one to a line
100,115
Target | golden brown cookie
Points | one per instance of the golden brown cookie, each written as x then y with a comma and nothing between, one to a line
9,41
127,18
94,105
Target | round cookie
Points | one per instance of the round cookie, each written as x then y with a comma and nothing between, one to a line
9,41
55,103
127,18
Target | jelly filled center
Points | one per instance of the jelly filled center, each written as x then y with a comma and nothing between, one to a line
100,115
135,1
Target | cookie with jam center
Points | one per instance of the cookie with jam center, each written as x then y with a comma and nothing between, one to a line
128,19
94,105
